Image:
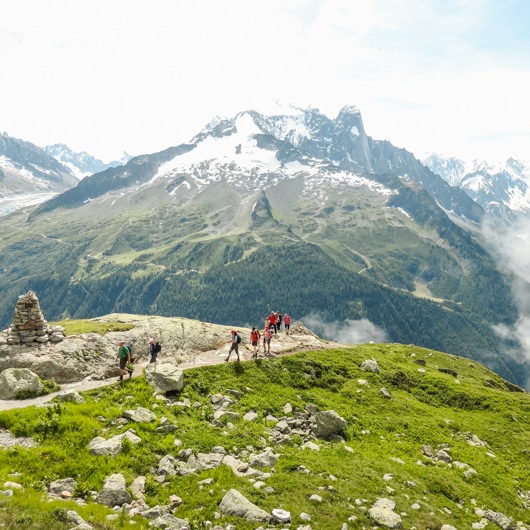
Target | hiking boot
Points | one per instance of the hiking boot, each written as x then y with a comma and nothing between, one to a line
238,358
226,360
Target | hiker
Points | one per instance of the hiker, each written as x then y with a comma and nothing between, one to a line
124,357
272,319
279,321
130,365
234,345
267,335
287,323
153,349
254,340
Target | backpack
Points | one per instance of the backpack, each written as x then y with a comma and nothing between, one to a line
130,348
158,347
238,340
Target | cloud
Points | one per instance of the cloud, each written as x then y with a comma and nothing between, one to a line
347,331
140,76
511,247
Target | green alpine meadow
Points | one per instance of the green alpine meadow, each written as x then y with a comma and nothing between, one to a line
437,438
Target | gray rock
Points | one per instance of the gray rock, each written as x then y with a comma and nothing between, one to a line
99,446
386,393
370,365
70,396
265,459
239,468
170,522
64,484
250,416
281,516
499,519
155,512
165,377
328,422
75,518
140,415
236,505
166,466
382,513
15,380
114,491
138,487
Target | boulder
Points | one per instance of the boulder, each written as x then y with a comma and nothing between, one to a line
237,505
164,377
328,422
140,415
382,513
15,380
370,365
114,491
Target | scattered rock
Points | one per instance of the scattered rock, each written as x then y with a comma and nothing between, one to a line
114,491
235,504
140,415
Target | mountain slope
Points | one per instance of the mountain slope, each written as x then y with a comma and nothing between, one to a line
293,212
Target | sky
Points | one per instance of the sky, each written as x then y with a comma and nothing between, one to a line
108,76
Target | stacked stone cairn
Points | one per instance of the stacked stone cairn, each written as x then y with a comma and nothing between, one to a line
29,325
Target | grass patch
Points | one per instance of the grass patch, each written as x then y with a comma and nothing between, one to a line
76,327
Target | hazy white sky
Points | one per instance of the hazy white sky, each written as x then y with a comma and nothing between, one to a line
106,76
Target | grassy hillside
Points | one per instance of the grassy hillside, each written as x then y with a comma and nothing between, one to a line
381,456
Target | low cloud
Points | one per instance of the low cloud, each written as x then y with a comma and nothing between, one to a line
346,331
511,247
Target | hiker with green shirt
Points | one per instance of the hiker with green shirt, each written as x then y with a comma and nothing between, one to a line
124,356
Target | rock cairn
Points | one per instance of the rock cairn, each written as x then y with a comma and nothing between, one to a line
29,325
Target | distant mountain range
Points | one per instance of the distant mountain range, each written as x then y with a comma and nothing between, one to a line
81,164
30,175
503,190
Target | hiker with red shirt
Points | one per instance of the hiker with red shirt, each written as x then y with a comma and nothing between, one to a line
267,335
273,320
287,322
254,339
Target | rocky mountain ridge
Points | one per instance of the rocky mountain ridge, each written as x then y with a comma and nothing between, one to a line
502,189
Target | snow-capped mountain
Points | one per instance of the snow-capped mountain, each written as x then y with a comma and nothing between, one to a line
81,164
252,151
28,176
502,189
